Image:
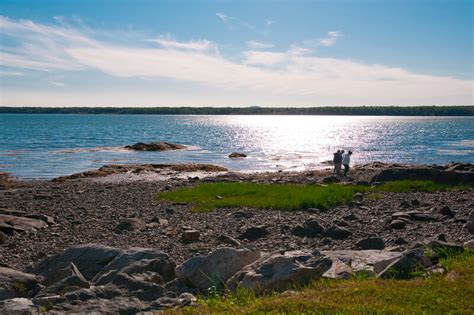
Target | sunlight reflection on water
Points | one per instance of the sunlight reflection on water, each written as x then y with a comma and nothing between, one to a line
45,146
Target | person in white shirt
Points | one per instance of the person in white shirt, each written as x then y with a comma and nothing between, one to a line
346,160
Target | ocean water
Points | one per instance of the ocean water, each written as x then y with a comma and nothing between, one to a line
46,146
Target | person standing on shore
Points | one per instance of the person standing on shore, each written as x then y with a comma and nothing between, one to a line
337,160
346,160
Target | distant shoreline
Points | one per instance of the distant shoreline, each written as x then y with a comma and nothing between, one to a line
254,110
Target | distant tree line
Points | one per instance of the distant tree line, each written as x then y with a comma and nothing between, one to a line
254,110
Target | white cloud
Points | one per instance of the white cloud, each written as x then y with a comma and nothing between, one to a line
258,45
292,77
222,16
331,38
199,45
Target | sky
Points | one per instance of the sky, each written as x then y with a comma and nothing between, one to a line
141,53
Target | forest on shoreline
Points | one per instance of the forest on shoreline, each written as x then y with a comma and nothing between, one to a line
253,110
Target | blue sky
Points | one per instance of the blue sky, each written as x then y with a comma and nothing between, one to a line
239,53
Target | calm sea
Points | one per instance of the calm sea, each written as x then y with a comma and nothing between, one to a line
46,146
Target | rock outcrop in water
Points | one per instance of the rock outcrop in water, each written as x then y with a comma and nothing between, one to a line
112,169
237,155
155,146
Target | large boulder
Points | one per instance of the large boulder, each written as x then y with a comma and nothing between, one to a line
279,272
155,146
215,269
90,259
95,261
14,283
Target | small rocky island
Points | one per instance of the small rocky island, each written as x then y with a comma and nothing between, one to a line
155,146
100,242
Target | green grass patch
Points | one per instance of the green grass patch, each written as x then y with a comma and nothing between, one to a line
206,197
289,197
445,294
375,196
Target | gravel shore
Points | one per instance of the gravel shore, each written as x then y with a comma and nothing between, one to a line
88,210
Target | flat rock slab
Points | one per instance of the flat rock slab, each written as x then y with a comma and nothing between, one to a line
12,223
372,261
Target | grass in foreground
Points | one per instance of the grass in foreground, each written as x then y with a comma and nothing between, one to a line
288,197
440,294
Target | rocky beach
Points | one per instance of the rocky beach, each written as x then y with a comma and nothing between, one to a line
111,216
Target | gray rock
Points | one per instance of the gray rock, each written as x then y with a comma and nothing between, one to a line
130,224
3,238
331,179
351,217
444,249
90,259
310,228
135,261
18,306
215,269
279,272
14,283
470,223
228,240
397,224
185,299
143,290
369,262
470,227
469,244
371,243
48,301
189,236
403,267
80,295
337,232
313,228
400,241
254,233
10,224
421,216
60,273
68,284
446,210
338,270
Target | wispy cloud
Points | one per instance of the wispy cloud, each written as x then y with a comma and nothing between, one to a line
11,73
232,22
330,39
258,45
294,76
222,16
199,45
57,83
